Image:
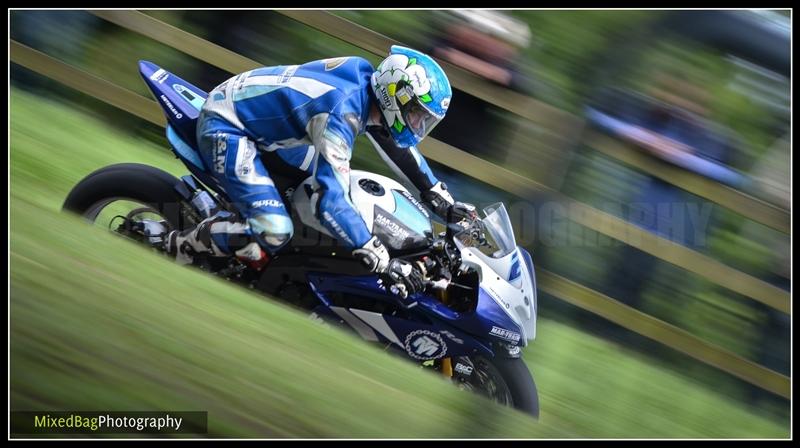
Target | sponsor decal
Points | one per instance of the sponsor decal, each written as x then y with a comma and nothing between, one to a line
508,335
245,163
267,203
332,63
424,345
337,228
172,109
452,337
159,76
404,95
387,102
287,74
419,80
338,156
193,99
395,230
498,297
463,369
414,201
239,80
220,148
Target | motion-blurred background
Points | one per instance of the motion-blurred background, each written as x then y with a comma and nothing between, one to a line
644,156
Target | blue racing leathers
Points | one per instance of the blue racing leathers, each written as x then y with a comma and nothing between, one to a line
309,115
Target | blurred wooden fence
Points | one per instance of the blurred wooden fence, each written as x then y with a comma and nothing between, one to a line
500,177
560,121
485,171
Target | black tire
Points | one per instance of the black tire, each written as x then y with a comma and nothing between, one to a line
506,381
520,382
131,181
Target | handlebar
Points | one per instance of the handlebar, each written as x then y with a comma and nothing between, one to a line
437,269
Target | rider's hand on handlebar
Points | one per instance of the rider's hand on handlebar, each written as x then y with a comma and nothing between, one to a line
403,278
399,276
452,212
466,221
460,211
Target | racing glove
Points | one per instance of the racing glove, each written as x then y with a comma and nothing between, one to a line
442,203
438,199
404,278
373,255
400,276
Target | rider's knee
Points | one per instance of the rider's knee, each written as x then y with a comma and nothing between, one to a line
272,230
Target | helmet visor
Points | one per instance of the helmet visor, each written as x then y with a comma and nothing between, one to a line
418,117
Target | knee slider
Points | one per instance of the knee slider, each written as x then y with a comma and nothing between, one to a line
272,230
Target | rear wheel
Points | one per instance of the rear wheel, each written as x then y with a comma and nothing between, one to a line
117,196
133,191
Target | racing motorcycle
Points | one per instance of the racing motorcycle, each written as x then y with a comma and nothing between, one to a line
479,305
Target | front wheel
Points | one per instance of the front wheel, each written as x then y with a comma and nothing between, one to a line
506,381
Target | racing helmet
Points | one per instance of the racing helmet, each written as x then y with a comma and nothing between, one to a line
413,94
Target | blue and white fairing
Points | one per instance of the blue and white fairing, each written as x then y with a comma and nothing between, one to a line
180,99
506,307
507,280
389,211
181,102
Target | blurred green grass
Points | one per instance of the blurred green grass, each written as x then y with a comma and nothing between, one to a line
98,323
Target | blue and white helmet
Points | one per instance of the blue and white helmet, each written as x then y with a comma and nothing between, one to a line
413,94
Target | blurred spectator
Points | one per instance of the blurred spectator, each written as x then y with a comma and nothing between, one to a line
485,43
771,179
669,122
771,175
65,35
488,44
246,32
75,31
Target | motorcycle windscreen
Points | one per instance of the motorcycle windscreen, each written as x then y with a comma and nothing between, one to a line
499,231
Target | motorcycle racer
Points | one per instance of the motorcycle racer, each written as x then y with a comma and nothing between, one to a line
305,119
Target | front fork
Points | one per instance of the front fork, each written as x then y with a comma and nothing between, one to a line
446,367
463,367
446,364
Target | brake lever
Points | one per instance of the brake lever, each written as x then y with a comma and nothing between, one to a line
441,283
459,285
